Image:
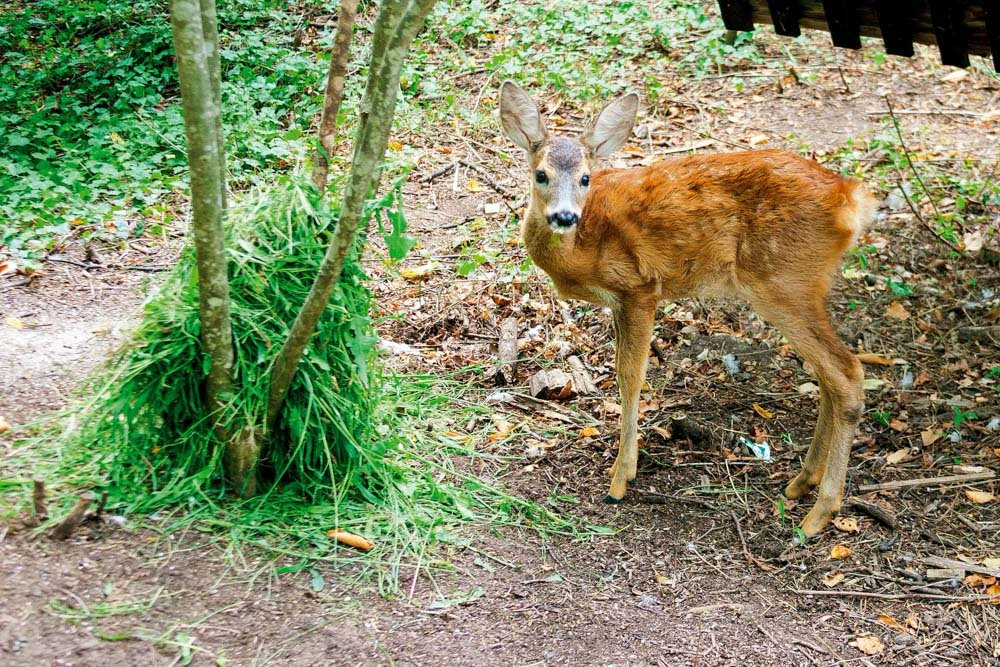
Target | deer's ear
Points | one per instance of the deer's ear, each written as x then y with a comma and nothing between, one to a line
613,125
520,118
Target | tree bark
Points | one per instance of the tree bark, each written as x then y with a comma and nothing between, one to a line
334,91
210,33
204,148
369,148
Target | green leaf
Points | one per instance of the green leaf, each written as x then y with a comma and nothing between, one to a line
316,581
399,242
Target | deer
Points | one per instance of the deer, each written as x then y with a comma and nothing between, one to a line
765,226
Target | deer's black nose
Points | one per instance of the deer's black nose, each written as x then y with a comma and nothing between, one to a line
564,218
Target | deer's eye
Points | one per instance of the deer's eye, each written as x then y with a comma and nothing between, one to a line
541,177
585,181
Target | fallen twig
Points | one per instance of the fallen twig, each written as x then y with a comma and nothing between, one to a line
440,172
895,596
937,561
38,500
506,368
654,498
75,517
928,481
883,516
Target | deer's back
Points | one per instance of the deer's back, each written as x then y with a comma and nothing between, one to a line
698,223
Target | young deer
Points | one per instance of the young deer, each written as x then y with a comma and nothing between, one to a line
767,226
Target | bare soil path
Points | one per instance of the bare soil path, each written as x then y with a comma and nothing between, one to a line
701,572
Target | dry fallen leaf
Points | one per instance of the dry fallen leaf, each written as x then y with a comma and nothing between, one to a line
869,645
831,579
979,497
846,524
395,145
12,321
589,432
929,437
473,186
758,139
876,359
664,581
422,271
4,424
839,551
979,581
350,539
993,591
896,311
808,388
763,412
897,425
897,456
991,562
890,622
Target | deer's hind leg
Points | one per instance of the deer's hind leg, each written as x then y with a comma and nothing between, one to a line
840,375
814,464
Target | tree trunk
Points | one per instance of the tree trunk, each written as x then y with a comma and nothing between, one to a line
334,91
369,148
210,32
204,149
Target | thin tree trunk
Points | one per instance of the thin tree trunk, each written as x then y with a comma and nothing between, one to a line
334,90
385,25
210,32
381,92
204,145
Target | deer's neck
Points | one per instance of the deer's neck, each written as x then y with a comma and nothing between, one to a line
550,250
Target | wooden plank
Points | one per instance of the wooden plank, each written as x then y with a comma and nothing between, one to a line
928,481
916,16
991,9
894,24
736,14
785,17
948,18
842,19
960,565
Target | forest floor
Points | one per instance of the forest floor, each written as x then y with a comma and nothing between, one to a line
701,569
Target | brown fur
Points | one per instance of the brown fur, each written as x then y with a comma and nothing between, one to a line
767,226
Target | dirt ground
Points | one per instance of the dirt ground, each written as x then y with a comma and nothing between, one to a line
702,571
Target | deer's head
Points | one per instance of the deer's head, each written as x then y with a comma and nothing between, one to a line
560,166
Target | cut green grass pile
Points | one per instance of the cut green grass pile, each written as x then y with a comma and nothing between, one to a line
352,449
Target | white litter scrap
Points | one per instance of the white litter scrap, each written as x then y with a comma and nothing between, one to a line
761,450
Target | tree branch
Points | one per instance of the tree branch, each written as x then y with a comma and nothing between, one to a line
369,148
334,91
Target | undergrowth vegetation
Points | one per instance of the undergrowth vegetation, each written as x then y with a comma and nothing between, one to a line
351,449
90,112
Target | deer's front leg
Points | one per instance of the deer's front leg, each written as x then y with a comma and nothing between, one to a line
633,329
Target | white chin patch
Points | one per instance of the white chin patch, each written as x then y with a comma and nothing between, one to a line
562,229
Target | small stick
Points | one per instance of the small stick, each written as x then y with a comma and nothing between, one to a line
893,596
937,561
653,498
506,369
440,172
883,516
843,80
38,500
75,517
486,176
928,481
101,503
